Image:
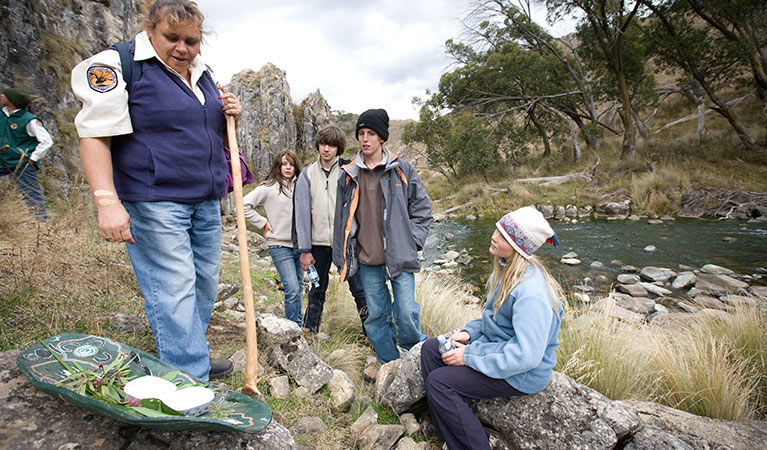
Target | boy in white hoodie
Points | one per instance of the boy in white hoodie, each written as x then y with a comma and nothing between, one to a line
314,203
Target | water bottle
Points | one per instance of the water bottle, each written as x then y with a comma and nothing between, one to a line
314,277
445,344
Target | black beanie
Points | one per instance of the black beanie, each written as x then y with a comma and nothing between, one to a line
375,119
19,98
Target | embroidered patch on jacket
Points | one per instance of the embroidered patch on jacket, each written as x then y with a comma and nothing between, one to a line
102,78
38,122
14,126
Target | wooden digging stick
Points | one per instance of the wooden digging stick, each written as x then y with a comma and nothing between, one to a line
251,338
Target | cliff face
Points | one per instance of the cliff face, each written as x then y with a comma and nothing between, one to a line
40,42
315,114
267,125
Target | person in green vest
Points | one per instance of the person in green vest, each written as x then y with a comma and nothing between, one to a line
23,142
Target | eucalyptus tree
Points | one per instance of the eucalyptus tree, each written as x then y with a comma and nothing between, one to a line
680,40
518,26
605,30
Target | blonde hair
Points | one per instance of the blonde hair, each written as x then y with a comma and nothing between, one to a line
510,275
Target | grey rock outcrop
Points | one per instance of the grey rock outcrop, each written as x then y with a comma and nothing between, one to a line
267,125
651,438
30,418
40,42
564,415
342,390
622,208
651,273
315,114
380,437
719,284
399,384
699,432
684,280
283,340
569,415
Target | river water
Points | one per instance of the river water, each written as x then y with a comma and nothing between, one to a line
734,244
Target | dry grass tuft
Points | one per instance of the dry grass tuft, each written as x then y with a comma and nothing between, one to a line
445,303
714,367
59,276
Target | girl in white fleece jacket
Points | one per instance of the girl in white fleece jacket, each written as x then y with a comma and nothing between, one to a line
275,194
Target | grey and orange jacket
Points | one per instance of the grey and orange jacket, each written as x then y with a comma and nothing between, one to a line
406,213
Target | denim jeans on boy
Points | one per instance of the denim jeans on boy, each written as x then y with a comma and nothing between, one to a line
176,259
26,180
407,312
323,257
288,264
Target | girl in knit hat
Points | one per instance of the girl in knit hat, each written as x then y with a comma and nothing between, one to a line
510,350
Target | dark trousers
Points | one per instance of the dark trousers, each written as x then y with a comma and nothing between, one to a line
448,390
323,257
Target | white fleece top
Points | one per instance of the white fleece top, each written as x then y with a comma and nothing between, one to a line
279,212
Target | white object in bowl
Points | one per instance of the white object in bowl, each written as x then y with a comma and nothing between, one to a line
148,387
191,401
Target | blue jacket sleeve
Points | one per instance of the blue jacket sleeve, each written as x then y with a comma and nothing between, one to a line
531,317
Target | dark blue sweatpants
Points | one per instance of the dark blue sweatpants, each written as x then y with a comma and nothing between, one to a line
448,389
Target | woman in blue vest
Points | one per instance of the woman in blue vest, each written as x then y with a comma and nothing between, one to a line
23,142
154,159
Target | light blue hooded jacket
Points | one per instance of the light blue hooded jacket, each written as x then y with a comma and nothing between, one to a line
519,343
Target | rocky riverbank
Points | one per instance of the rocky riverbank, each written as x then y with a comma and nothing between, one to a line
566,414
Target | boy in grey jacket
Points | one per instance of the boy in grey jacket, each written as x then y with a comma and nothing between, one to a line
314,204
382,219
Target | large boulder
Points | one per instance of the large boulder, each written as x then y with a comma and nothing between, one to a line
622,208
399,383
30,418
651,273
719,284
283,340
700,432
564,415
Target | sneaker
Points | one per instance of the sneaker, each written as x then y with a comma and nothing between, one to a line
220,368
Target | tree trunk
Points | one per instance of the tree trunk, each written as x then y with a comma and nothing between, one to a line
542,132
628,148
573,132
640,125
701,120
591,138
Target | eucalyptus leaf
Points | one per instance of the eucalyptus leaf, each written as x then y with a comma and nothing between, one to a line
157,405
170,376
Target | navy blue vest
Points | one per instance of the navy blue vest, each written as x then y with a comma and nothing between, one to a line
175,152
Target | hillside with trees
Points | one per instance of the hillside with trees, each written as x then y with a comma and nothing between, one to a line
624,89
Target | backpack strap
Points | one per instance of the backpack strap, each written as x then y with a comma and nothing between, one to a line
131,68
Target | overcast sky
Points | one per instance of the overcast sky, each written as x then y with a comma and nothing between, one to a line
359,54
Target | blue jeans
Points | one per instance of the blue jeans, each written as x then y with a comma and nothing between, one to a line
26,180
407,312
176,259
288,264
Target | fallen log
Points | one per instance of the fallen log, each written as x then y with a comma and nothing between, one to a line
442,215
561,179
